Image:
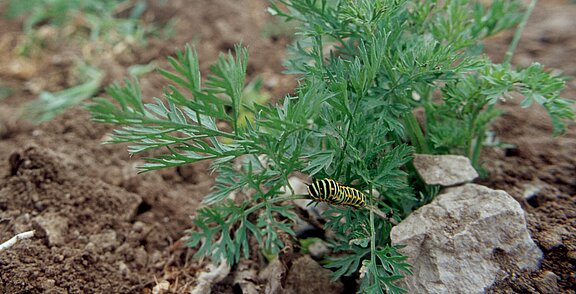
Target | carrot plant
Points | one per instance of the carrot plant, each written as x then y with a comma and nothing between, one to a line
364,68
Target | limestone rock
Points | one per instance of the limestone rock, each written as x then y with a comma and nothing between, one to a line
452,242
445,170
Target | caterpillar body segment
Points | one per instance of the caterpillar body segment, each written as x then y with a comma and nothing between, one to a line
332,192
353,197
324,190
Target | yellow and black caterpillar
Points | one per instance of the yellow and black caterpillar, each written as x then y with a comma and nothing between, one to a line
332,192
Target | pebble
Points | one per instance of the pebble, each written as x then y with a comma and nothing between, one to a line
318,249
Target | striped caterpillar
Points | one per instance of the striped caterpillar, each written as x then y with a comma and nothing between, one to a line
332,192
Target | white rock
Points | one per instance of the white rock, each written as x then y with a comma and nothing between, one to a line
161,287
318,249
445,170
451,241
531,190
211,276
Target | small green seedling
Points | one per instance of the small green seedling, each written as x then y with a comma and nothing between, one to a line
96,26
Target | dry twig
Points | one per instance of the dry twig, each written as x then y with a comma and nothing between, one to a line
15,239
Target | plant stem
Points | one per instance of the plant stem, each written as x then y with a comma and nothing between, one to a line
274,200
518,33
372,241
381,214
415,133
475,156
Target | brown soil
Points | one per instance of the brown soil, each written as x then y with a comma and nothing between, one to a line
102,228
538,164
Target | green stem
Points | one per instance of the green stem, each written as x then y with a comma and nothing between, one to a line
381,214
518,33
478,130
372,239
415,133
274,200
475,156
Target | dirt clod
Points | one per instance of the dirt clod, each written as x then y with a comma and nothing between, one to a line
306,271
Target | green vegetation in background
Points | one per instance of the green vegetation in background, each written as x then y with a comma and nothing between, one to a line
365,67
110,20
4,92
100,24
50,104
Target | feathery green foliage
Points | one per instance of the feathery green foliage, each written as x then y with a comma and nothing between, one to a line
365,67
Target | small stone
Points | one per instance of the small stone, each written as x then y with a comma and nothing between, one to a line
106,241
156,259
54,226
318,249
90,247
531,190
161,287
272,82
47,284
58,258
123,268
138,226
22,222
444,170
307,276
141,257
39,205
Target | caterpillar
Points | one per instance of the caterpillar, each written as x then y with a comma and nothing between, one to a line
332,192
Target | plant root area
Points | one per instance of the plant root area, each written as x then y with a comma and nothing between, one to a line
102,228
